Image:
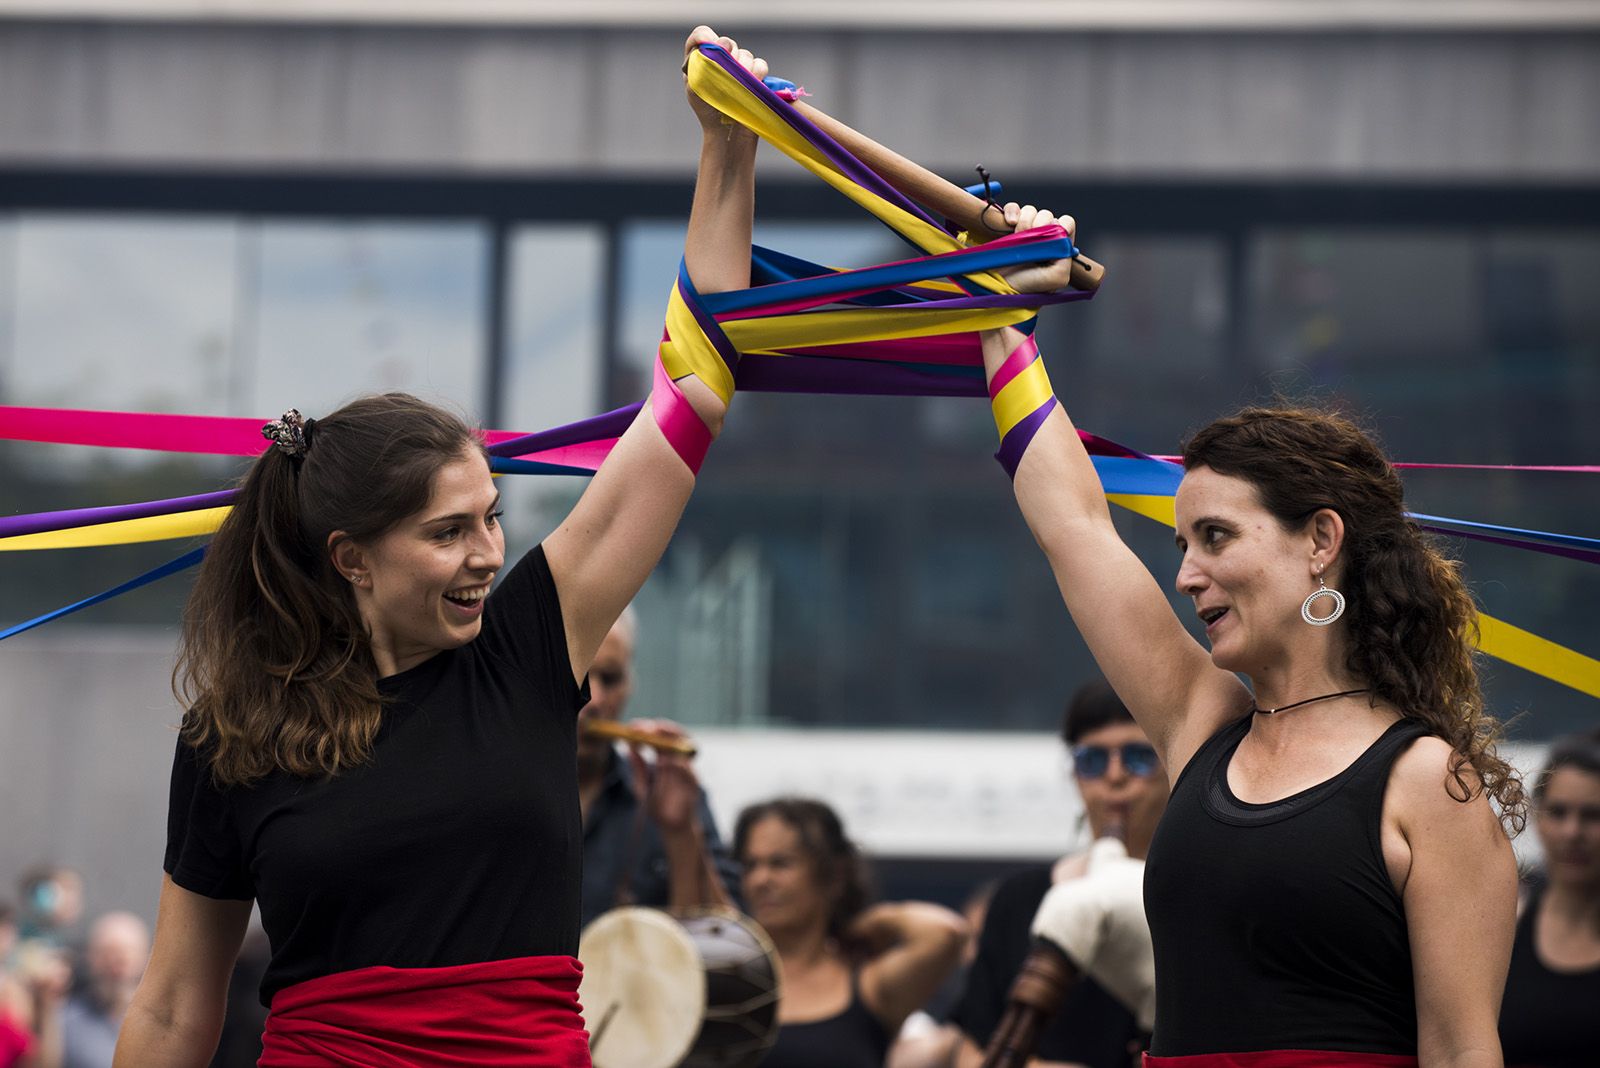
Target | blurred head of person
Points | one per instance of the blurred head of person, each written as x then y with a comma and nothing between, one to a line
1120,777
801,873
1566,798
610,686
52,900
115,957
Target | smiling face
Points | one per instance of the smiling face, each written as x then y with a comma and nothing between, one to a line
780,882
1568,819
1246,574
420,586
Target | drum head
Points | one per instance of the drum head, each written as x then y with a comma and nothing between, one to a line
644,989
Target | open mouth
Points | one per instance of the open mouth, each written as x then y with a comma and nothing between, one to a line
1209,616
467,598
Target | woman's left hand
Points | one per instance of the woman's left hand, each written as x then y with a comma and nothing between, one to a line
1037,277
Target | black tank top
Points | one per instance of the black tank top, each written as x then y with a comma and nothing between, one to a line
853,1039
1549,1019
1276,926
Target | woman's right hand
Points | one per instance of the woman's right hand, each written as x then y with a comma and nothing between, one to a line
710,118
1038,277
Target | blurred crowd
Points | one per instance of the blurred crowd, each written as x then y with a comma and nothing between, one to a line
865,982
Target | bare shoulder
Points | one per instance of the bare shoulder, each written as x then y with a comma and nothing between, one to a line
1434,790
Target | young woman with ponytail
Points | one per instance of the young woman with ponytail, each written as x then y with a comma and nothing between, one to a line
378,751
1330,883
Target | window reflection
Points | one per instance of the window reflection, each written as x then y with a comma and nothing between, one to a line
338,308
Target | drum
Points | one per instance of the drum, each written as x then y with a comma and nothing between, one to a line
697,990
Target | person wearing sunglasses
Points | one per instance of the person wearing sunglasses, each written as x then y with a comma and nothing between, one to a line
648,834
1124,789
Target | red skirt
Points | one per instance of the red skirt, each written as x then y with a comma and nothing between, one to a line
521,1012
1283,1058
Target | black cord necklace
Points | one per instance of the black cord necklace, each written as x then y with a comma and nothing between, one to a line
1309,700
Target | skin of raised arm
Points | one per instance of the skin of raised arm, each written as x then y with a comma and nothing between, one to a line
923,946
176,1015
1161,673
1460,899
615,536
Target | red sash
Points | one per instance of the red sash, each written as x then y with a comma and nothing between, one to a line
1284,1058
521,1012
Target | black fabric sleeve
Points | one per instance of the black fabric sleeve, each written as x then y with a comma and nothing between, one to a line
523,627
204,854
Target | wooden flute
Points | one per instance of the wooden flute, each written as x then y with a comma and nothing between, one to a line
623,732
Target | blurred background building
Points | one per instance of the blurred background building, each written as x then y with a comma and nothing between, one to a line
236,206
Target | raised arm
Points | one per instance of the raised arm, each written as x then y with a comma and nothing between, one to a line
176,1015
918,945
608,546
1161,673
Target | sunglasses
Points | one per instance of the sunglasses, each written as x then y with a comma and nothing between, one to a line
1093,761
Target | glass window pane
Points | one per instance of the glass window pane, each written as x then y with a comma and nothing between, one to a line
341,308
125,313
554,369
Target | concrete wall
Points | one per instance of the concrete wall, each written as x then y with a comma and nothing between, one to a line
1453,106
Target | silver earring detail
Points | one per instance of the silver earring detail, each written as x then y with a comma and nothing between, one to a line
1322,591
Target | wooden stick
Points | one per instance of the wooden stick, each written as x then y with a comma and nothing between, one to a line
933,192
622,732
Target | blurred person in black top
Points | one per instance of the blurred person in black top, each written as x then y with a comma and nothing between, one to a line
649,837
1550,1017
852,972
1124,790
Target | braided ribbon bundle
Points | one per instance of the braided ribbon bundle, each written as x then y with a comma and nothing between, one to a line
902,328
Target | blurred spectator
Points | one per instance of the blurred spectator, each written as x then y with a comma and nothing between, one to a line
851,973
1124,791
1549,1015
33,982
52,905
646,829
114,959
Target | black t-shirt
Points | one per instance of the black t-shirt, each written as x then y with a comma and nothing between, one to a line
459,841
1091,1027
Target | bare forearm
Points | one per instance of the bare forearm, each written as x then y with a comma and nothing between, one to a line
1056,485
716,248
692,878
148,1039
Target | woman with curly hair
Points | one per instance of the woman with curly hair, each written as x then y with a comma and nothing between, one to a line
852,971
1330,876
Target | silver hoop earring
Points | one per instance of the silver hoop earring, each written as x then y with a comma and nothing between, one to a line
1322,591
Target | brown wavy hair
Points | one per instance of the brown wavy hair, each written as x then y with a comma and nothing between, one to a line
1411,622
838,863
275,667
